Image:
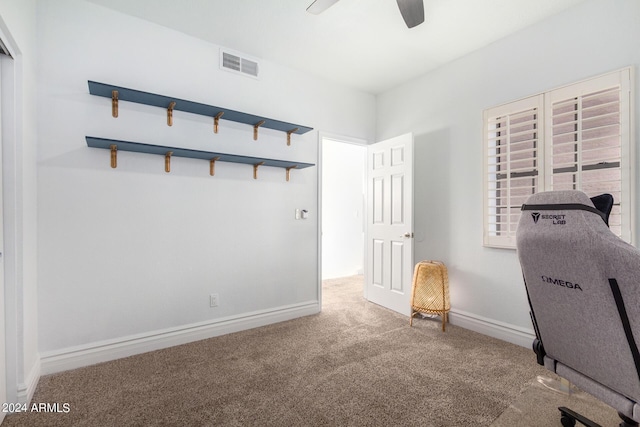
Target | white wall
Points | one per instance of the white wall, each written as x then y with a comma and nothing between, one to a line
19,124
134,252
444,110
343,168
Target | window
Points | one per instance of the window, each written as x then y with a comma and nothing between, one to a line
512,166
572,138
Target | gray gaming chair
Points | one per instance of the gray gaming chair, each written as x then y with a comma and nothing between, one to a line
583,284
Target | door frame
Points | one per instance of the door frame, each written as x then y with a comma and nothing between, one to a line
10,140
347,140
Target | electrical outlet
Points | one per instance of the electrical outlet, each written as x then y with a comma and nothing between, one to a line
213,300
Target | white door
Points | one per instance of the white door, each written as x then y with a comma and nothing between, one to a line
389,239
3,363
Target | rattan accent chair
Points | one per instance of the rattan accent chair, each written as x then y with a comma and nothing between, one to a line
430,293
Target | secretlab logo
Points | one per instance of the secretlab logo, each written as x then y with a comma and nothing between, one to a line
555,219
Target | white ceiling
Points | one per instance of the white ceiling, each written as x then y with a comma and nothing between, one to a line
363,44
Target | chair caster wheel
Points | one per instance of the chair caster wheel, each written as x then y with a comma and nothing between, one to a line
626,421
567,421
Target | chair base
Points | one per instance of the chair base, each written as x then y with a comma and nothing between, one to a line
568,418
627,422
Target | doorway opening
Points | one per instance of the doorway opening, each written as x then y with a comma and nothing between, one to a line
343,216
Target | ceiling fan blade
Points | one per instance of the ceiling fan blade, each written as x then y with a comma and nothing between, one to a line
319,6
412,11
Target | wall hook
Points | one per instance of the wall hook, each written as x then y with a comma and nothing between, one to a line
216,121
289,171
167,161
289,135
212,165
255,169
255,129
114,155
114,103
172,104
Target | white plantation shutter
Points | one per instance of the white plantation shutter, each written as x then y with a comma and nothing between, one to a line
575,137
512,166
588,132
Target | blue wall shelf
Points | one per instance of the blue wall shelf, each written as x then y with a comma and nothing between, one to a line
118,93
116,145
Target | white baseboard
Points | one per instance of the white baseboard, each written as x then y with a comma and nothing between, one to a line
79,356
493,328
26,389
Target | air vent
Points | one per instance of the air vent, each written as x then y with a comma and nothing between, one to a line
238,63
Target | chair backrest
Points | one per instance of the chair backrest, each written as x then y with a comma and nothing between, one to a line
583,284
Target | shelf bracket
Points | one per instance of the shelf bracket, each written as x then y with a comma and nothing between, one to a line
255,169
255,129
172,104
289,135
114,155
216,121
289,171
114,103
167,161
212,165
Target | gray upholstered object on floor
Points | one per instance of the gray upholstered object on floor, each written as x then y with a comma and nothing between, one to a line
573,264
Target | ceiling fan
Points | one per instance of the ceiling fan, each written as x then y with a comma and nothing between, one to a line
412,10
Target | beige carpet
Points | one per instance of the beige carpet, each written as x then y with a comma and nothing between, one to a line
538,406
355,364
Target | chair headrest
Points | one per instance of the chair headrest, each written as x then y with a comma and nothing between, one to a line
571,200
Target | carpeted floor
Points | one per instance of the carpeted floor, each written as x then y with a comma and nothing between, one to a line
354,364
538,406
